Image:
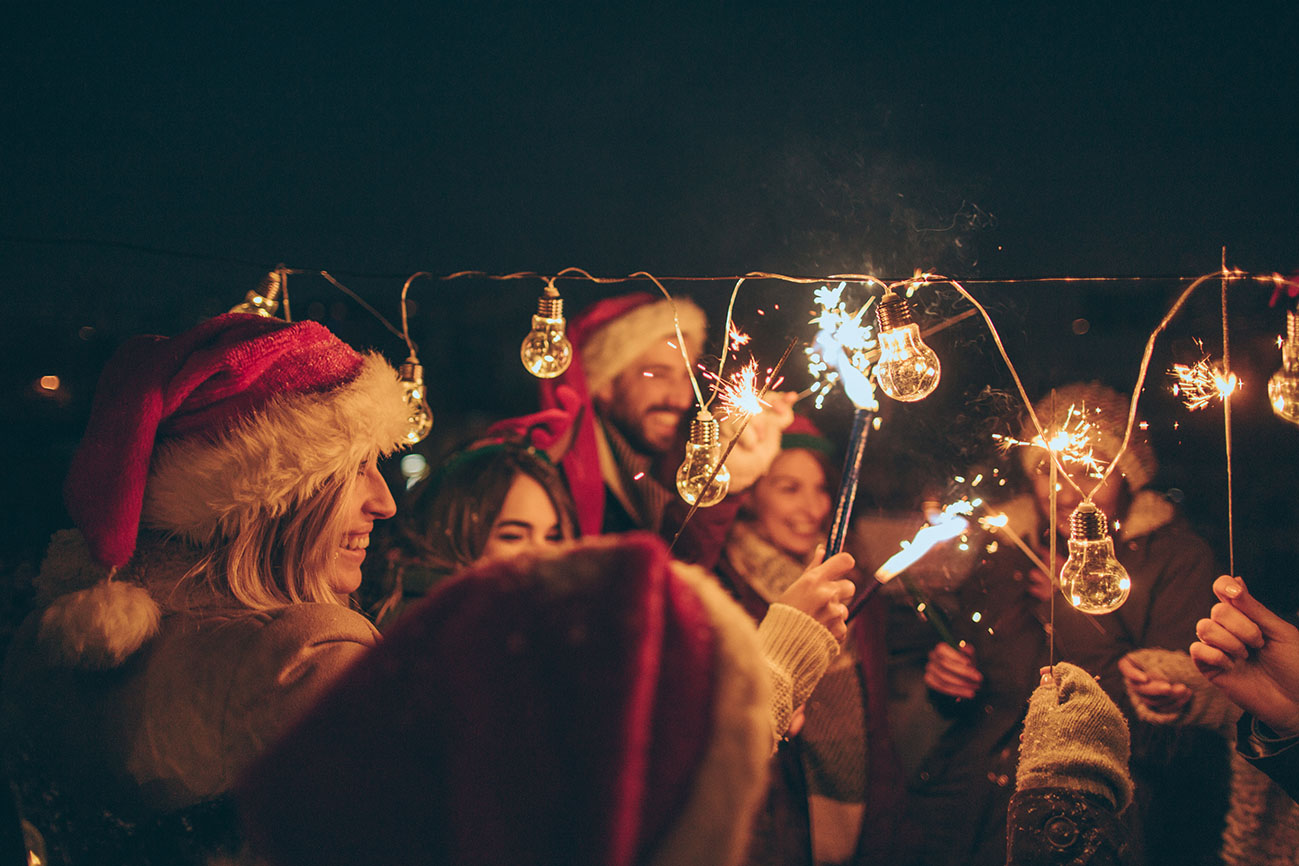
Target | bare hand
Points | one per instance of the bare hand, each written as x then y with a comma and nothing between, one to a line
823,593
1159,695
759,444
952,672
1252,655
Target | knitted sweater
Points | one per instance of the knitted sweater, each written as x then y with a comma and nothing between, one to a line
840,773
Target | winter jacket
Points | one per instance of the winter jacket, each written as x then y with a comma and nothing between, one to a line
1278,757
961,792
113,765
837,786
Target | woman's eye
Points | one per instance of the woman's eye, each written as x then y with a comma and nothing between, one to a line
511,537
363,468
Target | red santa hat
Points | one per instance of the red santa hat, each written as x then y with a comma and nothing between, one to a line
609,336
201,436
600,706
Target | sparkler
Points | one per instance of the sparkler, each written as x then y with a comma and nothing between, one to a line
739,395
1071,442
1201,383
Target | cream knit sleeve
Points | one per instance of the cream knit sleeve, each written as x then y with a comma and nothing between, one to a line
797,649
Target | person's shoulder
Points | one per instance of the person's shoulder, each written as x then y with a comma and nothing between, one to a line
312,622
277,631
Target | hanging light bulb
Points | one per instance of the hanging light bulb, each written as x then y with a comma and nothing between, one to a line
1283,387
546,352
1092,578
420,417
907,369
703,452
263,300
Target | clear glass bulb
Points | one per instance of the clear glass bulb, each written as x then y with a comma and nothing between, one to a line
546,352
1283,387
263,300
419,418
1092,579
907,369
703,452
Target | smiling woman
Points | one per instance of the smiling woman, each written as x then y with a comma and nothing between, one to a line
224,495
491,500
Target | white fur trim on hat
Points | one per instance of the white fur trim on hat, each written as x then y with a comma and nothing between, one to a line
204,488
99,627
714,823
610,349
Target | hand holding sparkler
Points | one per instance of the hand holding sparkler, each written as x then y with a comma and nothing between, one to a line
822,592
951,671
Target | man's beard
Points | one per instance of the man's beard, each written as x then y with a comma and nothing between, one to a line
633,431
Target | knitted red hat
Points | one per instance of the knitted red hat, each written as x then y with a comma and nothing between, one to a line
229,422
602,706
609,335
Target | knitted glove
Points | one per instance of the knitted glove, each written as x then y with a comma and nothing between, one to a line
1075,738
1208,707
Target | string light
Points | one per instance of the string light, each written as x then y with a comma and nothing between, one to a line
419,417
264,300
907,369
546,351
1093,579
700,480
1283,387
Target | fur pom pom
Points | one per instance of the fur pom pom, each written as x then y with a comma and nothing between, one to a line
100,627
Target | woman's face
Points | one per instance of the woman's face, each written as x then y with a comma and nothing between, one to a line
368,501
791,503
527,521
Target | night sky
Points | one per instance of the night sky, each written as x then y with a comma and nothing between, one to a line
158,160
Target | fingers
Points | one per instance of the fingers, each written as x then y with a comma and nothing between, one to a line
1132,671
951,672
832,568
1213,633
1240,626
1233,592
1210,660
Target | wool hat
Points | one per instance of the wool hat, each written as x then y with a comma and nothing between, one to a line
802,433
599,705
201,436
609,335
1075,737
1104,412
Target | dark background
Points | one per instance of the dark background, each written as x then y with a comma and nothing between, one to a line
158,160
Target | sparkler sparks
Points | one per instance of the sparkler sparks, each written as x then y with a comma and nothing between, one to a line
1202,383
943,526
839,350
737,395
1072,442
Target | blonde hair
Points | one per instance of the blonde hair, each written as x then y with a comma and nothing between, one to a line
285,559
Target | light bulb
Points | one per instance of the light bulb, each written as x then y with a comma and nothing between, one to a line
419,419
1283,387
907,369
703,452
263,300
546,352
1092,578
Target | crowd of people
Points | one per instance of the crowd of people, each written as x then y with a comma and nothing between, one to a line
546,658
